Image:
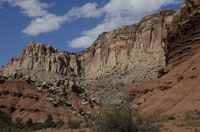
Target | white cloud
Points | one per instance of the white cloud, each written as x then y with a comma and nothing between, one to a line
88,10
31,8
117,14
48,22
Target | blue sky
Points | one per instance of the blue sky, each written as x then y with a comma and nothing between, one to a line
70,25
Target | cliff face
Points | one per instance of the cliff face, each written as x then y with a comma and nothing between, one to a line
177,91
38,56
138,45
183,35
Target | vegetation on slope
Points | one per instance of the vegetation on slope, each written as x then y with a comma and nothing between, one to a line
7,125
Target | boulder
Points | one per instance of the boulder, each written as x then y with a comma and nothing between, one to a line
45,85
28,79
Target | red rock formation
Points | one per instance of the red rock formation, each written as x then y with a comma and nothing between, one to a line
21,99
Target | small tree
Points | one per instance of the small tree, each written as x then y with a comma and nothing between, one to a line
60,123
49,121
29,123
4,118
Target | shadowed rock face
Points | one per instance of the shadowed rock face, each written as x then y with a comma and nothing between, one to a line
138,45
183,35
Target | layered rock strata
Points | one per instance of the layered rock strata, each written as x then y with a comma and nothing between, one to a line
139,45
183,34
177,87
38,56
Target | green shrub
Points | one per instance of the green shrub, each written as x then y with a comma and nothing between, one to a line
38,126
73,124
90,101
124,120
60,123
6,124
29,123
80,110
21,75
49,123
91,106
171,117
4,118
88,124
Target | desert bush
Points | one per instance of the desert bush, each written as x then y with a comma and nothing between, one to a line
73,124
198,113
91,106
171,117
125,120
82,131
38,126
195,130
88,124
4,118
60,123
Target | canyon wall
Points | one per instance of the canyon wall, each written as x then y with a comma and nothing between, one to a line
138,45
177,88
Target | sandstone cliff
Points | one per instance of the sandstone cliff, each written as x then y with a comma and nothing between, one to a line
177,88
38,56
183,34
136,46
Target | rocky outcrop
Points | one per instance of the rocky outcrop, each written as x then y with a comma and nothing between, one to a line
38,56
183,34
139,45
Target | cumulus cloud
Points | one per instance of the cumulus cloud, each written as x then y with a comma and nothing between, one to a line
86,11
48,22
31,8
